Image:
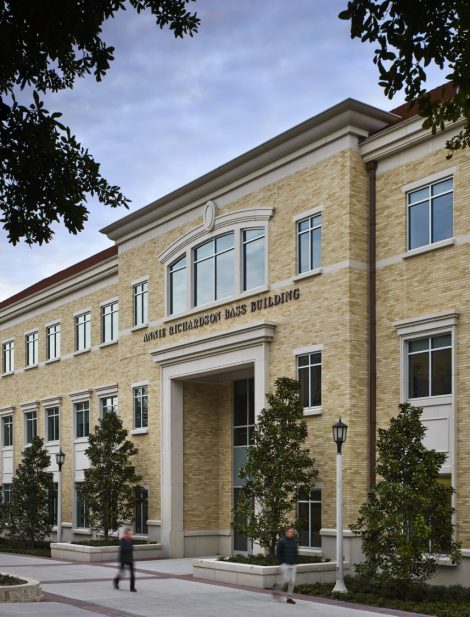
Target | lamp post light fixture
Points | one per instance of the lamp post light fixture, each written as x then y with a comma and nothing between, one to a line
59,459
340,430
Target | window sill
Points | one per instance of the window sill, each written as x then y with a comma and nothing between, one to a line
429,247
85,531
31,366
7,448
80,440
140,326
8,373
306,275
52,360
310,550
80,351
53,442
139,431
107,344
313,411
213,305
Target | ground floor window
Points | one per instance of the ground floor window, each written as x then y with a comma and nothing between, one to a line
436,539
82,510
141,510
53,502
309,514
6,495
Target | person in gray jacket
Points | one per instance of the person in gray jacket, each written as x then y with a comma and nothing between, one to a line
126,558
287,552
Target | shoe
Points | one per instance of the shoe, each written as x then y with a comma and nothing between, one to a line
290,601
133,589
115,584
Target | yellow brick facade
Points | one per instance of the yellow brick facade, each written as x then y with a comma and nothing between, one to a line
326,311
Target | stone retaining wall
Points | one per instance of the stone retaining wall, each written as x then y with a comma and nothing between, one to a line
29,591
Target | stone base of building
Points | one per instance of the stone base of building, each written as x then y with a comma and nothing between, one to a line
262,577
84,553
29,591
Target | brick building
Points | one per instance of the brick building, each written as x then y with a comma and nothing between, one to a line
335,253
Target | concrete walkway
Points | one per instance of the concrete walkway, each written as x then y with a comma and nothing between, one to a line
165,588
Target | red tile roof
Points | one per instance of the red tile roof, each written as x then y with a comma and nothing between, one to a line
442,92
62,275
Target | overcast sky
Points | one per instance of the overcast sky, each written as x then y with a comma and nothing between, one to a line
171,110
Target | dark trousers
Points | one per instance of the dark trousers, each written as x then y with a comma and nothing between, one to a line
121,571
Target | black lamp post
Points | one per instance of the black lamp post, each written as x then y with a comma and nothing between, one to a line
340,430
59,459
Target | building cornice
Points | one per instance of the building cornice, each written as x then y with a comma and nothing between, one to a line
349,116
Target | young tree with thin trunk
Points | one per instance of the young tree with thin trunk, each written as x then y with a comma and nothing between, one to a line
278,466
110,482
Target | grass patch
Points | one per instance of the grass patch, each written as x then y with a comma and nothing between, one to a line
263,560
436,600
109,542
6,579
39,549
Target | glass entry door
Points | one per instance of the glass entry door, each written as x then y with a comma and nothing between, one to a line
243,424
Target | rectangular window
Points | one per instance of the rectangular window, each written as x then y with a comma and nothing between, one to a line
7,431
309,376
214,269
6,495
177,283
53,502
253,258
53,341
109,322
52,426
108,403
430,366
141,510
32,348
31,425
309,244
82,511
82,331
82,419
430,214
309,514
141,303
141,406
8,353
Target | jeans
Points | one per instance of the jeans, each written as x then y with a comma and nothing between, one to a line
121,571
288,577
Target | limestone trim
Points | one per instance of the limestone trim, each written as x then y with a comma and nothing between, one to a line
30,406
108,390
430,322
429,247
83,395
308,213
7,411
221,223
51,401
247,346
440,175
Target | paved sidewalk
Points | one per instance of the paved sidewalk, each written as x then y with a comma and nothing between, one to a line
165,588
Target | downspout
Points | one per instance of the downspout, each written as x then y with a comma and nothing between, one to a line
371,168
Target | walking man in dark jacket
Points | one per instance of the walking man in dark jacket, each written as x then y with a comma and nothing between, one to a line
288,556
126,558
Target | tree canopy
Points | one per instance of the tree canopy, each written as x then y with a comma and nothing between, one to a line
410,36
46,175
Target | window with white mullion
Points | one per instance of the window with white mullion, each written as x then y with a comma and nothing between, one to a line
140,303
430,214
31,426
430,366
309,376
109,322
309,243
53,341
32,348
8,350
214,269
82,331
52,426
177,284
253,257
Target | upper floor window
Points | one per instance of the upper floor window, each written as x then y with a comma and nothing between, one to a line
141,303
141,406
53,341
52,424
430,366
221,267
7,431
108,403
309,376
8,353
309,243
32,348
430,214
109,322
31,426
82,331
82,419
